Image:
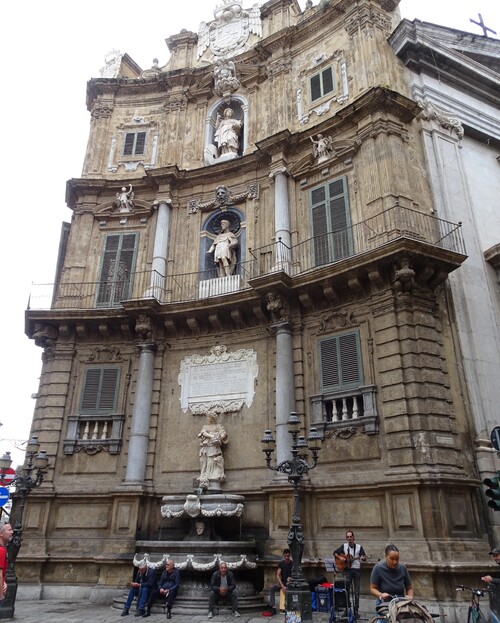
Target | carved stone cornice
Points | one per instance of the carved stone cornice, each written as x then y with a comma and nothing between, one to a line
367,16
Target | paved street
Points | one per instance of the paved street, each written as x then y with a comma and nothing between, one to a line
60,611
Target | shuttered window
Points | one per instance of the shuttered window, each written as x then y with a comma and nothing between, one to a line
115,283
331,221
100,390
340,358
321,84
134,143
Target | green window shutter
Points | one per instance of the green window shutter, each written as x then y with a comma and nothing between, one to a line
321,84
315,87
128,148
330,215
116,269
140,143
340,358
327,79
100,390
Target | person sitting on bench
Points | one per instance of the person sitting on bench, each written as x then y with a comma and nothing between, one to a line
222,587
167,587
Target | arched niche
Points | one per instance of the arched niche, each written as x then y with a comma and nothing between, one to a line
213,151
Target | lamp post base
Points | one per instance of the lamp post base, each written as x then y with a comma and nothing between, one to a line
299,600
8,605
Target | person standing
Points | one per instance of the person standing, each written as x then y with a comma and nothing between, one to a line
141,587
494,588
6,533
283,574
389,578
167,587
351,555
222,586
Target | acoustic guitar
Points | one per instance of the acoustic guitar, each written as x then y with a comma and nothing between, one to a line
343,561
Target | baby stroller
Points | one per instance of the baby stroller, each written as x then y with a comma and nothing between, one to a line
404,610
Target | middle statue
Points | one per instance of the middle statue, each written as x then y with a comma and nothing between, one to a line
224,250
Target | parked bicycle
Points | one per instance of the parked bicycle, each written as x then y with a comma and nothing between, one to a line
475,614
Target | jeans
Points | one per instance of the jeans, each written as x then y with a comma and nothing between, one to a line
142,593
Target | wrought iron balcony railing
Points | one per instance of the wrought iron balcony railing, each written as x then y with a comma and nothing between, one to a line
308,255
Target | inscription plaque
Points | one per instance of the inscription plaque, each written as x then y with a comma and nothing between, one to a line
221,379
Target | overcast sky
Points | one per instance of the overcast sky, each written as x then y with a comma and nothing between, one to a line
50,49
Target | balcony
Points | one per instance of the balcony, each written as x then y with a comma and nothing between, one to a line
300,260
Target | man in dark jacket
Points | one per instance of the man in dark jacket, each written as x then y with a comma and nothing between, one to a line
141,587
167,587
222,587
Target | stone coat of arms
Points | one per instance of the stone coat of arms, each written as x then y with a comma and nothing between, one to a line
230,30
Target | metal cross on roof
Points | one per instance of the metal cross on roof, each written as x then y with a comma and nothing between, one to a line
481,24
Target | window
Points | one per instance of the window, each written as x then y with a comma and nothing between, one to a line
135,143
340,358
96,426
115,283
321,84
100,390
331,222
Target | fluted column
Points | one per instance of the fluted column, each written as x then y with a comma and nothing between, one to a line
141,416
285,389
160,249
281,218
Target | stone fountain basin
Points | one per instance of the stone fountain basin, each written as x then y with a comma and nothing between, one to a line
204,505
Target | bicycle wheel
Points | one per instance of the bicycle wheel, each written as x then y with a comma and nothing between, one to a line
475,616
480,618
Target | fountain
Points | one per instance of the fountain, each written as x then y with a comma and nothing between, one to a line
205,528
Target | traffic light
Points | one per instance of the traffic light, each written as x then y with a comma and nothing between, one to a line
493,491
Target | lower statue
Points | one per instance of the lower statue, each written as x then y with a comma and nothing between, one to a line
211,436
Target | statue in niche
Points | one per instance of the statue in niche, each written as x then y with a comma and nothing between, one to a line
224,250
212,436
322,147
125,199
227,133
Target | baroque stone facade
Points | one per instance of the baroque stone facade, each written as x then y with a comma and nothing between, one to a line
337,301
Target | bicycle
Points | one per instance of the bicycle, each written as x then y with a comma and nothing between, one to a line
474,614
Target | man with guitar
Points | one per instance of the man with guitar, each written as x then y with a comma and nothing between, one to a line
348,558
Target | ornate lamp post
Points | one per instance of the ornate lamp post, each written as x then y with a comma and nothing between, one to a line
298,596
31,475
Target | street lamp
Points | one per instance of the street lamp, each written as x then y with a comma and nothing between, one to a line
31,476
298,596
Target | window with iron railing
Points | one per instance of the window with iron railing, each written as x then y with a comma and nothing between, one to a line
331,220
344,399
96,426
117,265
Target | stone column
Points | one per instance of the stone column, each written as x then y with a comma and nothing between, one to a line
285,389
141,416
281,218
160,250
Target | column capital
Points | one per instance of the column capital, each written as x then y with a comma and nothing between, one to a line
280,169
165,200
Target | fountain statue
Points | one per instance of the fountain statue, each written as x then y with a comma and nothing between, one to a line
205,527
